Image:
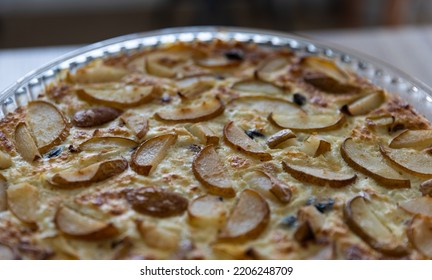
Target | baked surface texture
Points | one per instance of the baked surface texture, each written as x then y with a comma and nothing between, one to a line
218,150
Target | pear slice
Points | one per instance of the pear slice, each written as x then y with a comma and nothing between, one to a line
315,146
217,62
238,140
3,195
204,133
263,105
426,187
311,224
259,87
318,176
98,73
325,66
137,123
23,201
77,225
279,137
157,236
190,82
373,166
5,160
24,143
47,124
107,144
271,67
380,121
205,111
419,205
95,116
93,173
325,75
155,67
210,171
206,210
362,220
307,123
6,253
275,186
411,161
248,219
156,202
117,95
151,152
414,139
420,234
165,64
366,104
193,87
328,84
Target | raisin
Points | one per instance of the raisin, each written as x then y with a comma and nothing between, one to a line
254,133
234,54
299,99
54,152
397,127
288,221
194,148
311,200
325,205
72,149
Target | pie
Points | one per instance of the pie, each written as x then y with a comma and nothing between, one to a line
215,150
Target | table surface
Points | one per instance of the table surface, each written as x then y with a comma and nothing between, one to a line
407,48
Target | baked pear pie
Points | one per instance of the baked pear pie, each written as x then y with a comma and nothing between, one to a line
215,150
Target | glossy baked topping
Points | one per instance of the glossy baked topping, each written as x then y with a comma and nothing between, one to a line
213,151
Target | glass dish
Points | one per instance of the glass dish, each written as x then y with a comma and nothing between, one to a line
393,80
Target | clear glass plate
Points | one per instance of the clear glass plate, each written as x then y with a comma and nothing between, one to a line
393,80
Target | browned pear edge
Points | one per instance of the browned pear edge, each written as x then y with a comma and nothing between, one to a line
210,115
62,136
115,167
309,178
106,232
386,182
145,169
264,156
336,125
323,148
35,151
282,193
400,166
211,188
253,234
410,232
397,251
3,196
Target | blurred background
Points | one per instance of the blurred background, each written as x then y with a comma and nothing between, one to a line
34,32
29,23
